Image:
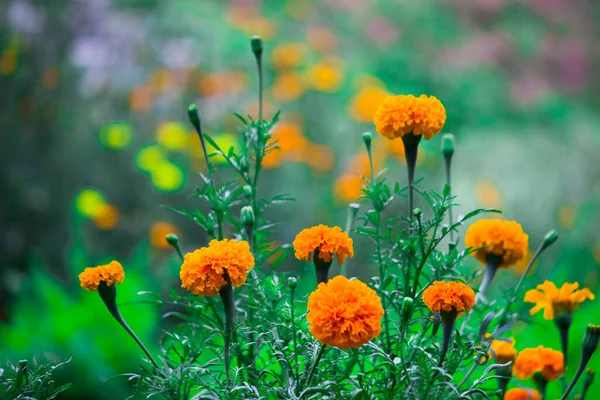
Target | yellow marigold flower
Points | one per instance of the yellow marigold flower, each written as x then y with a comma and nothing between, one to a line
111,273
203,270
365,103
449,296
504,239
503,351
401,115
540,359
344,313
522,394
328,241
553,299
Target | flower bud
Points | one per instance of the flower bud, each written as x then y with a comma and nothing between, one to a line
417,212
448,145
292,282
591,338
247,215
194,116
367,137
407,304
173,240
256,44
247,191
550,238
588,378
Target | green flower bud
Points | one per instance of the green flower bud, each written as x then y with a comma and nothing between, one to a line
367,137
407,304
247,215
292,282
550,238
417,212
247,191
194,115
256,44
448,144
173,239
591,338
588,378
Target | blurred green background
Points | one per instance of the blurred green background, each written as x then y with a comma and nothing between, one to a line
94,140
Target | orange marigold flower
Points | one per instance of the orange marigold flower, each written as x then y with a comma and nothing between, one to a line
503,350
111,273
401,115
328,241
204,271
540,359
522,394
504,239
344,313
553,299
449,296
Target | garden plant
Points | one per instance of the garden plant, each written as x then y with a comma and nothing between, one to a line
419,329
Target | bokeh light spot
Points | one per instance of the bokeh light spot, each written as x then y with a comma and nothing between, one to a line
172,135
116,136
167,177
149,157
88,201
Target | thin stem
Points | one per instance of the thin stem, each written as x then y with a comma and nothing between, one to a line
259,139
350,217
467,375
314,366
423,258
449,183
585,358
292,290
220,225
108,294
226,294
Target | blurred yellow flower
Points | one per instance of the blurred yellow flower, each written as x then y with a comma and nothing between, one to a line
161,80
487,194
553,300
319,156
106,216
8,62
348,187
540,359
566,216
173,135
158,233
288,86
288,55
292,145
88,201
167,177
366,102
116,136
221,83
141,98
149,157
503,350
321,39
324,78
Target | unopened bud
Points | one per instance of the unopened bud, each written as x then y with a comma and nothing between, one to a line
407,304
256,44
448,144
247,215
173,239
588,378
194,115
417,212
591,338
247,191
367,137
292,282
550,238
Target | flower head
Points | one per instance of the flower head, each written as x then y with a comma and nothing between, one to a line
540,359
504,239
344,313
448,297
110,274
522,394
503,350
328,241
205,271
401,115
553,299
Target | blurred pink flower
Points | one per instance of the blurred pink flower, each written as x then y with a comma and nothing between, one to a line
381,31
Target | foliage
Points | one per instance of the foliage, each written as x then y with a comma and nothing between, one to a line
25,380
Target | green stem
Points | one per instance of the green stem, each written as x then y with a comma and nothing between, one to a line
585,358
350,216
449,183
294,333
108,294
314,366
259,139
411,150
226,294
467,375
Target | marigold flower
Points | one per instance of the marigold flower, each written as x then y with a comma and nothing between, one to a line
204,271
540,359
401,115
522,394
553,300
449,296
344,313
328,241
504,239
110,274
503,351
